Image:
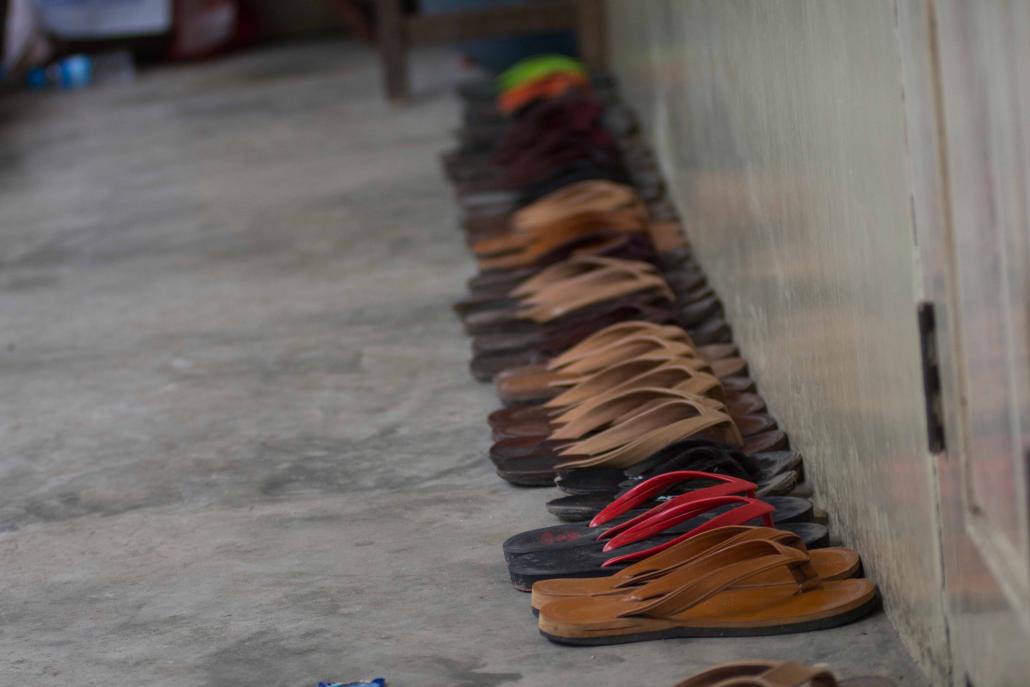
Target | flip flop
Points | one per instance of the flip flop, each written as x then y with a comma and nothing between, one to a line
538,384
549,87
749,425
496,293
538,466
531,461
571,329
710,332
635,246
537,66
703,599
676,379
550,303
580,507
689,454
529,249
830,563
776,674
662,371
501,353
515,350
725,495
570,173
626,543
592,199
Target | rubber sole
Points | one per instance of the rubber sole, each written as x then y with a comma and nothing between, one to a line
524,583
815,536
528,480
702,632
568,514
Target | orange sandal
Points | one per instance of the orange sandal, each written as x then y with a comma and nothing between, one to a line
704,599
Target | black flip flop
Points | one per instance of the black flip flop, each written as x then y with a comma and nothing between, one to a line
580,507
595,558
783,509
690,454
533,462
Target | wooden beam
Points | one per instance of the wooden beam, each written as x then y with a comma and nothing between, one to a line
533,17
592,34
393,47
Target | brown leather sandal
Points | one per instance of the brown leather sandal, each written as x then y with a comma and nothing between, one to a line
834,563
682,377
641,435
534,248
589,195
582,205
605,349
776,674
576,293
704,599
534,461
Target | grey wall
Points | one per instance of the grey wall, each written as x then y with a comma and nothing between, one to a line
781,127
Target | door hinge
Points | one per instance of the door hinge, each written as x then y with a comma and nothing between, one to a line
931,376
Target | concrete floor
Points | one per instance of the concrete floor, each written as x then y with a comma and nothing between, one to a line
239,442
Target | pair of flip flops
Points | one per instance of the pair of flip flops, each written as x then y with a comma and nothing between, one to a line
589,491
758,673
619,396
650,518
726,581
567,288
653,419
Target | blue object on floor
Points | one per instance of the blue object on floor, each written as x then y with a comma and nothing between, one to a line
374,682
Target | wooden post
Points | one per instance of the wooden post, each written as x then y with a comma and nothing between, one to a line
3,27
393,46
592,34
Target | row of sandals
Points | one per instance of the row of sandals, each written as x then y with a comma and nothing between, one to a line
622,387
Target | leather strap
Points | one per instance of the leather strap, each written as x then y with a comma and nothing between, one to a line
526,252
587,417
736,669
638,347
587,351
631,217
700,580
682,373
627,349
700,545
590,416
617,378
638,437
613,334
596,195
659,419
666,353
597,274
787,674
565,297
661,384
573,267
601,382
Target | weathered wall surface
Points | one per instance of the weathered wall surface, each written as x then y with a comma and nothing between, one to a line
781,128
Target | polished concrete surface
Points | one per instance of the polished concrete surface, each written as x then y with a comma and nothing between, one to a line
240,445
781,128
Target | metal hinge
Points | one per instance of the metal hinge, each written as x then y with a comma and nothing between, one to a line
931,376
